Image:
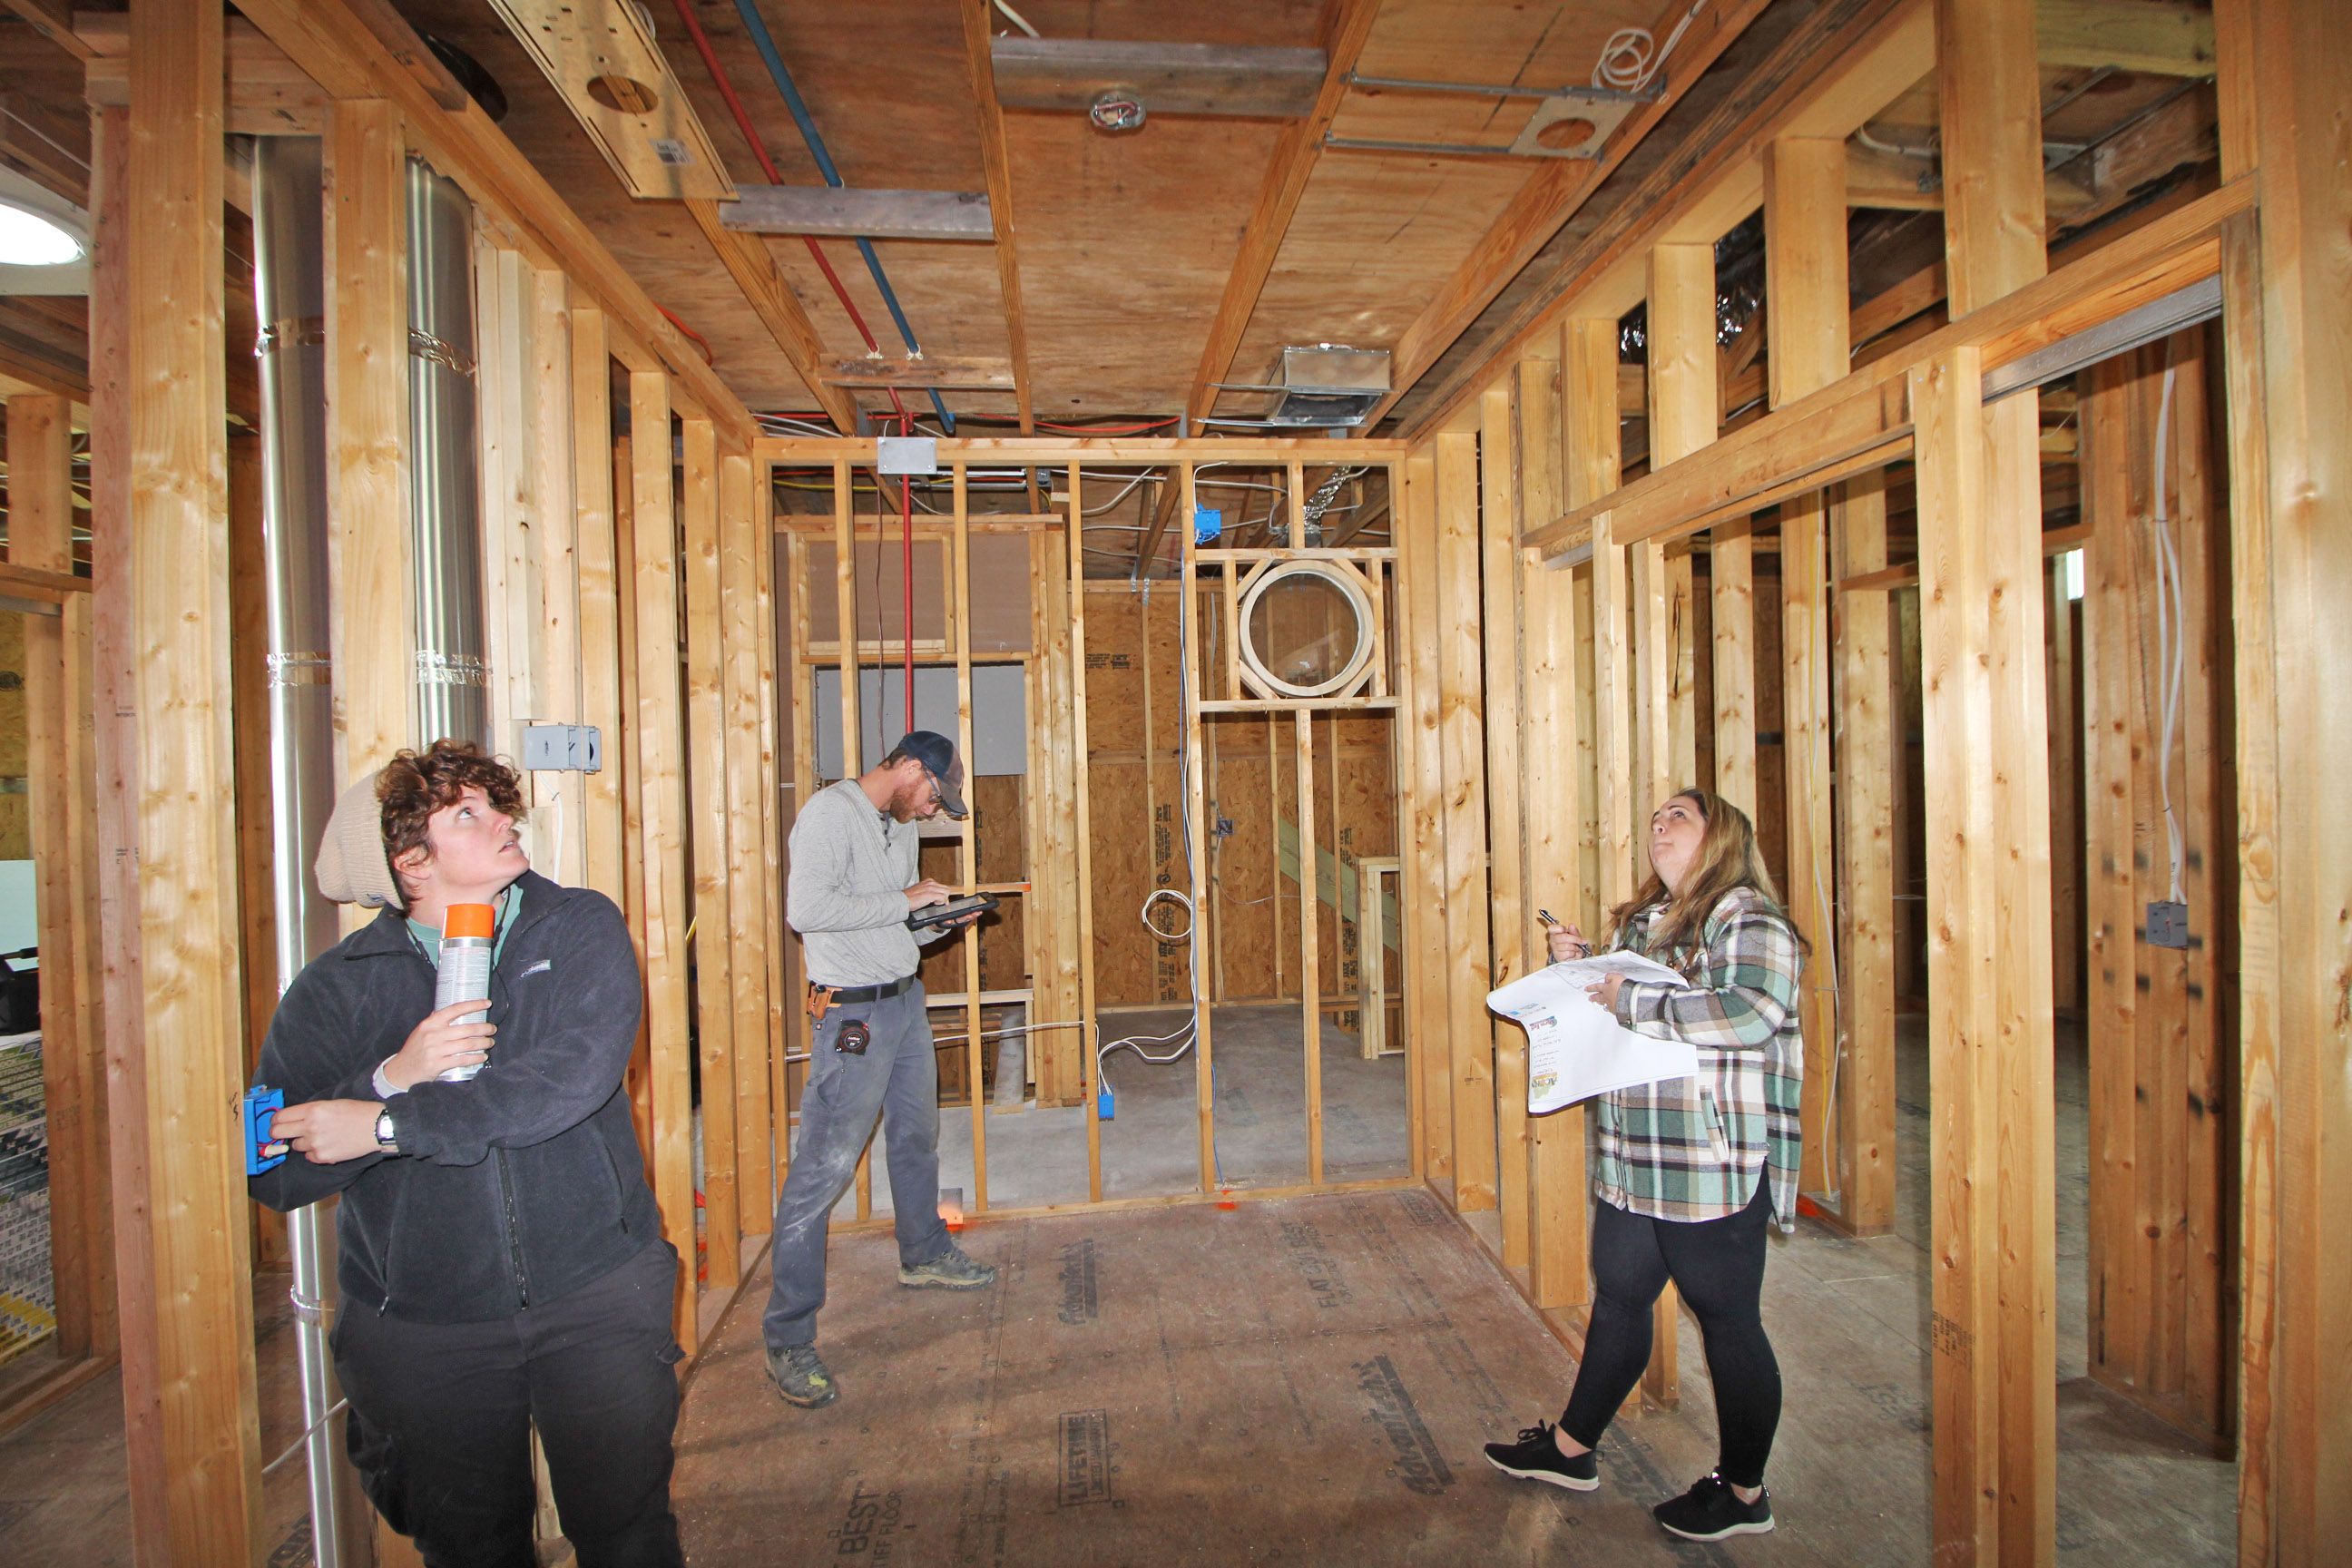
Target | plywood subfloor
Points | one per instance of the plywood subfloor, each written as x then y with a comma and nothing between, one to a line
1311,1381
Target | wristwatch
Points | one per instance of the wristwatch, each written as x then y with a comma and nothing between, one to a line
384,1138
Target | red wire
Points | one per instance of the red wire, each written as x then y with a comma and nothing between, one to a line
907,569
760,151
1106,429
701,341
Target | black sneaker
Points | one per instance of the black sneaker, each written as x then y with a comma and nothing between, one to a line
1536,1457
1711,1511
800,1377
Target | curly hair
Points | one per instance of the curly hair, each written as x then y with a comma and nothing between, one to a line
415,785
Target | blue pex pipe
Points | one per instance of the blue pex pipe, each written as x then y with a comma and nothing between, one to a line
754,24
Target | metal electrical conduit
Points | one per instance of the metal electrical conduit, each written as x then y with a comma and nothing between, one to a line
757,26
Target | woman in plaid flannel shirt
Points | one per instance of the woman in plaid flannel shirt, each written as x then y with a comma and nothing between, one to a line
1692,1171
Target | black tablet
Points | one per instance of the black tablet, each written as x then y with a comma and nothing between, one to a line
953,910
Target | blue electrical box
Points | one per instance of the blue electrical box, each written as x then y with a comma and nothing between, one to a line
1208,524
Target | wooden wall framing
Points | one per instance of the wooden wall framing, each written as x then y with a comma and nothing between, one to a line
1122,732
1831,430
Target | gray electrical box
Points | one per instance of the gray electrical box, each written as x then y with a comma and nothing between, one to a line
2167,925
905,454
562,748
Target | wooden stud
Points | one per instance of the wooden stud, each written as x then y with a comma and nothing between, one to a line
367,415
2271,1504
1805,282
713,918
1867,762
1089,1068
57,731
114,934
249,724
1467,956
1310,972
1962,951
1196,836
1510,915
1430,1061
1683,413
191,1204
782,956
743,539
557,658
960,575
596,571
1989,81
1569,448
662,840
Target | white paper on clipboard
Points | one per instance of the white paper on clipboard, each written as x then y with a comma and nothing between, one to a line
1576,1048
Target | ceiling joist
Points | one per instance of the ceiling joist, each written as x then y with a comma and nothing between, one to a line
754,270
998,170
1549,198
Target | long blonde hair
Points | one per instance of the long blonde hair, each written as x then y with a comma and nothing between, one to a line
1727,857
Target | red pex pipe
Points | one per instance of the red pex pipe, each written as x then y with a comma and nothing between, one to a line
768,166
907,569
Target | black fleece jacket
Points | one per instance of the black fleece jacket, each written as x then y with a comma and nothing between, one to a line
512,1190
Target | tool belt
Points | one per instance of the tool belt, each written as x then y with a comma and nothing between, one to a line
823,999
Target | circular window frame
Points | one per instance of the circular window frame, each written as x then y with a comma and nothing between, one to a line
1352,588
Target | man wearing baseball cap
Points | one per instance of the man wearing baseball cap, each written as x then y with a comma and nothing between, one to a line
854,884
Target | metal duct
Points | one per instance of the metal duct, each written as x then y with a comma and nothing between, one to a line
290,293
445,497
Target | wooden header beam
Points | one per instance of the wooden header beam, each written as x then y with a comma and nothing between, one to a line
1111,452
1864,420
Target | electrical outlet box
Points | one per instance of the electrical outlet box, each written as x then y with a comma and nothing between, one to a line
562,748
1208,524
905,454
2167,925
1106,1107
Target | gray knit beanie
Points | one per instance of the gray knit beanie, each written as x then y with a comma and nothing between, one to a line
351,867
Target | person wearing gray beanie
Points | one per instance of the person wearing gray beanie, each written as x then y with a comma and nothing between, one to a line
501,1260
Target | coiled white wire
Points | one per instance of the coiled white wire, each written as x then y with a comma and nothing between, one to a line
1632,57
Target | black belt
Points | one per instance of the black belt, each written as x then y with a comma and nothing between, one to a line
873,993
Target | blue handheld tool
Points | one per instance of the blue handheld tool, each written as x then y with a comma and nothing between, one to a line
261,1103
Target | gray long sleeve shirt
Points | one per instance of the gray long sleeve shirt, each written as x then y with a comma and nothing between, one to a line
847,894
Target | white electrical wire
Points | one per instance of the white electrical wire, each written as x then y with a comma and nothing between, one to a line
2171,619
1632,56
1016,18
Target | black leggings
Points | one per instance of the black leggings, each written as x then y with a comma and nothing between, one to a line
1719,1264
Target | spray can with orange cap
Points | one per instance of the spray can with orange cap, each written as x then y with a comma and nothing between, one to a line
468,938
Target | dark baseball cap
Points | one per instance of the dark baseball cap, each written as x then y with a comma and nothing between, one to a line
937,755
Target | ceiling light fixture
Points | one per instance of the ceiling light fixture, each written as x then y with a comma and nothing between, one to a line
28,238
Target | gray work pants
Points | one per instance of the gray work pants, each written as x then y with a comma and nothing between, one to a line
898,1076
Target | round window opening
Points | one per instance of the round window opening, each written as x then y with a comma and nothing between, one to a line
1307,629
